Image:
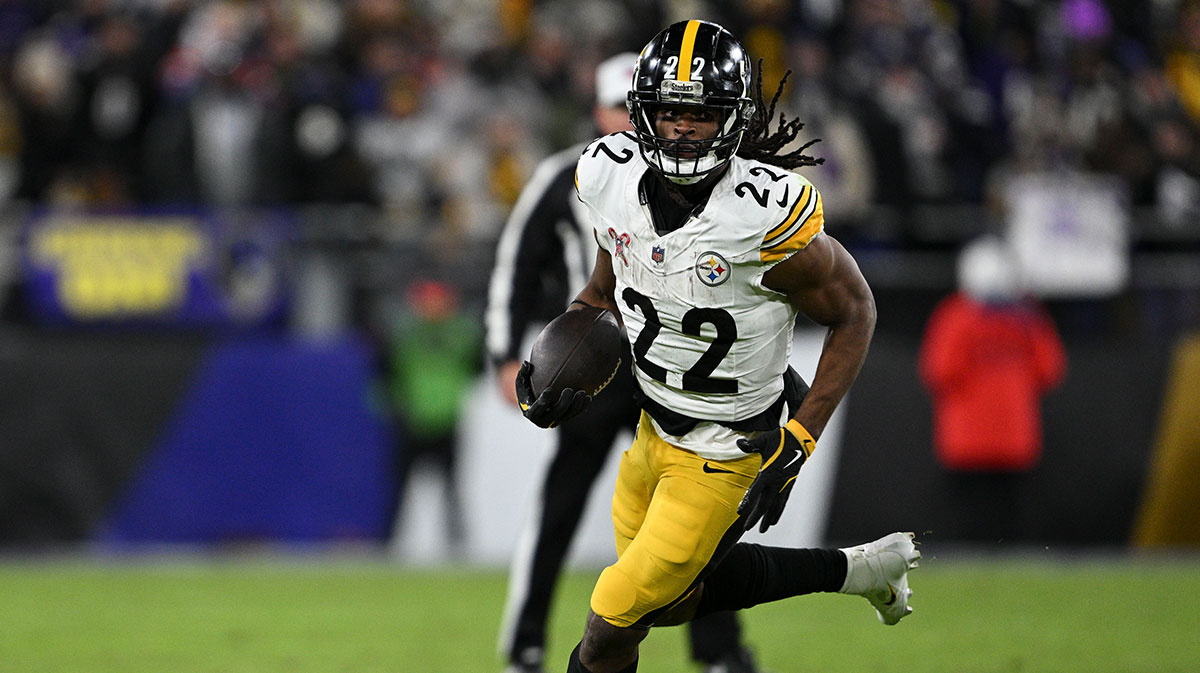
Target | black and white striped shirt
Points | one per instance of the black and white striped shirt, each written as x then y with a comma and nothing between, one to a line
543,258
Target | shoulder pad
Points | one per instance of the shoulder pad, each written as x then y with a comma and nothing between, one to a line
798,215
601,159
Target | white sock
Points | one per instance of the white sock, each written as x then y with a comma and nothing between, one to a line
859,578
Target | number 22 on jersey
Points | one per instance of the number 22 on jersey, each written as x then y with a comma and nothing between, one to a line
698,378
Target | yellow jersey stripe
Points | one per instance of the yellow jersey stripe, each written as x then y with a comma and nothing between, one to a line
685,51
799,235
797,207
795,222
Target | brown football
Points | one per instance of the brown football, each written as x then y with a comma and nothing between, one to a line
580,349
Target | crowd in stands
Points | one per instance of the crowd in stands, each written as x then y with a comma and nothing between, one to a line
435,111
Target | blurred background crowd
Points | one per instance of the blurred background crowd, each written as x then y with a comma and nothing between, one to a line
435,112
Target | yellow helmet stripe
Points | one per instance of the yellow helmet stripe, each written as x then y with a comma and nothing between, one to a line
685,51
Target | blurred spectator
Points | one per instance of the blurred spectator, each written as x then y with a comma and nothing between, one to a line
45,99
117,99
434,353
1175,138
1183,58
929,123
486,177
403,141
988,355
17,19
1177,188
205,140
847,176
306,154
10,147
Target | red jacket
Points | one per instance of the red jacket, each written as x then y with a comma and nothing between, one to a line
986,368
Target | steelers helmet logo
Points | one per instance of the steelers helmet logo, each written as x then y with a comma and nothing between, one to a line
712,269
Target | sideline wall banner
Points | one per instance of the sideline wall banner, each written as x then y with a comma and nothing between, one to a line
179,269
274,440
124,437
80,412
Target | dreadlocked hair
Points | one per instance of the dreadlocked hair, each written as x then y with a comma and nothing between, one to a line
764,145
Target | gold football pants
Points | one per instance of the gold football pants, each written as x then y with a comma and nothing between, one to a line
672,515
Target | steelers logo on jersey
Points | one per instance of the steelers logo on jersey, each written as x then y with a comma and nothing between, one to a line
712,269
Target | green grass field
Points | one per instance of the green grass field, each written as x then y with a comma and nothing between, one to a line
340,616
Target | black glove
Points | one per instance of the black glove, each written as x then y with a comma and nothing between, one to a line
547,410
783,451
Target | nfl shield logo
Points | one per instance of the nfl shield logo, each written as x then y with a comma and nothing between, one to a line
656,254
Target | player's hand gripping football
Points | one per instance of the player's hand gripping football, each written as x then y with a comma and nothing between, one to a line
783,451
547,410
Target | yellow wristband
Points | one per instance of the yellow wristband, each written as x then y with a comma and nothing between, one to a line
802,435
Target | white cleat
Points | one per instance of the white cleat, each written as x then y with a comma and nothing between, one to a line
878,571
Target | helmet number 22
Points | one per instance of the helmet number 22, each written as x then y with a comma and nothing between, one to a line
671,64
697,378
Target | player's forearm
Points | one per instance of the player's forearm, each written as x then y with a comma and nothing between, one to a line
591,295
600,290
842,358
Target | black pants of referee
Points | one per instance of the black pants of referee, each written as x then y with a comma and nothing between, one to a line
582,447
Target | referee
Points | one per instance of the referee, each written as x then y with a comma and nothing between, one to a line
544,256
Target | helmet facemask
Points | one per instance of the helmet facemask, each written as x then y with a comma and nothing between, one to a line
687,161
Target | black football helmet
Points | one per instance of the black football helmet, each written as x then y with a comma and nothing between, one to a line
691,63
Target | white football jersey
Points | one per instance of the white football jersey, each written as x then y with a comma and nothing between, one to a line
709,340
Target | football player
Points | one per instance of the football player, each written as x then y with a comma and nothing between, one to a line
710,247
546,243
